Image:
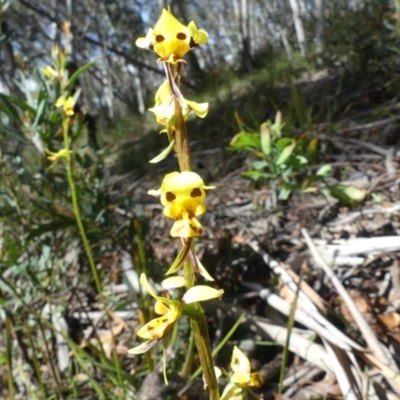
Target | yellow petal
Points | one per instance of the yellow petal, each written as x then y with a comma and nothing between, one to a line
163,93
173,282
185,184
186,228
202,271
68,106
232,392
146,42
198,35
200,109
60,102
142,348
201,293
169,25
49,72
256,379
183,207
155,193
240,365
156,328
145,283
161,308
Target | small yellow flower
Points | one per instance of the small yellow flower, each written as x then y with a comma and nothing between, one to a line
164,108
170,310
50,72
61,154
182,194
170,39
241,379
240,365
67,104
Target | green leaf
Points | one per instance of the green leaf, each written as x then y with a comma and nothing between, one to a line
284,142
9,108
20,103
347,194
259,164
297,162
39,113
244,139
286,152
255,175
164,153
265,134
77,73
325,171
284,193
181,257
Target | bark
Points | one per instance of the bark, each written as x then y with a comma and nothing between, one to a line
320,17
298,25
247,61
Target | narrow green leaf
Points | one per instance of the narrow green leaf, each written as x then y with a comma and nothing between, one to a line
181,257
9,108
286,152
77,73
39,113
324,171
164,153
265,133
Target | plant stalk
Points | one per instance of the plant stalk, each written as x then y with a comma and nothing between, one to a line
200,331
75,205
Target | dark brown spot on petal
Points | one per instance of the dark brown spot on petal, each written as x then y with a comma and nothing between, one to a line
170,196
160,38
164,320
196,192
190,213
181,36
150,328
192,43
196,229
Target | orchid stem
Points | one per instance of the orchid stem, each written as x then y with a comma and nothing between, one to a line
202,340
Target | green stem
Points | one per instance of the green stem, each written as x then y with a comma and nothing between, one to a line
187,365
200,331
181,137
77,212
86,245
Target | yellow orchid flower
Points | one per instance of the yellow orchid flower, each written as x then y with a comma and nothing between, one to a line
240,365
61,154
170,311
164,108
67,103
182,194
50,72
170,39
241,379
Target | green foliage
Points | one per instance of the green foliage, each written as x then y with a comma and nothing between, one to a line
40,233
286,163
